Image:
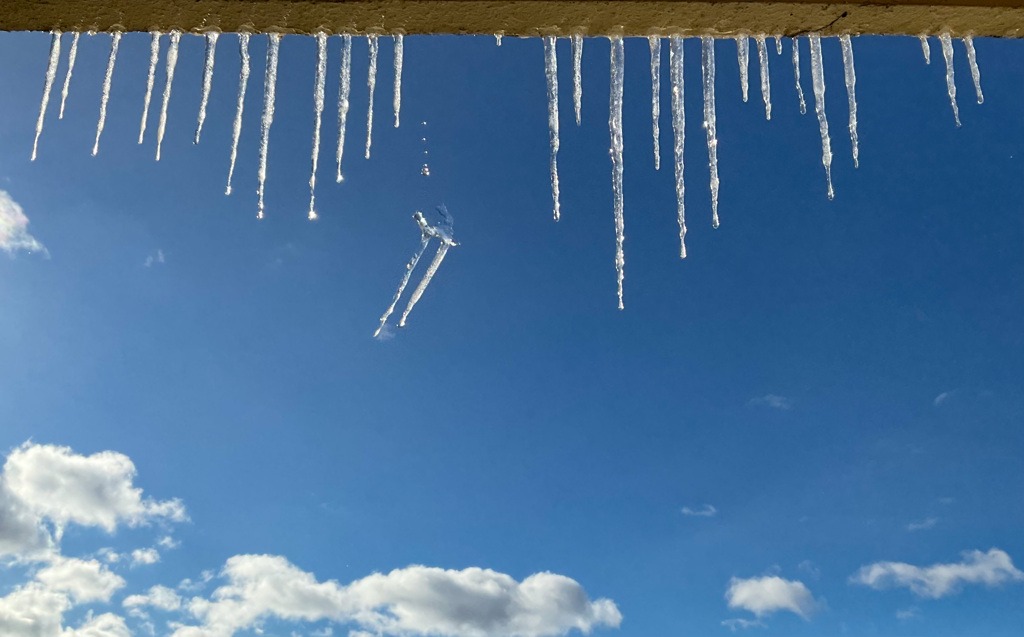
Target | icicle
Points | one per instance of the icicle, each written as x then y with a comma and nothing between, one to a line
443,231
115,40
422,287
766,86
318,110
172,61
743,57
371,83
707,62
655,43
405,281
796,76
269,91
551,78
778,44
51,74
577,74
154,57
947,52
851,93
818,79
497,40
344,87
72,55
925,48
399,53
618,71
972,58
211,54
678,133
243,81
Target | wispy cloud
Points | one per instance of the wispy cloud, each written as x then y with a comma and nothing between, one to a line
772,400
923,525
906,614
810,568
939,580
706,511
14,236
738,624
156,257
944,397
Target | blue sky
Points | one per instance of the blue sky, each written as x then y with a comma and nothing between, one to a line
787,374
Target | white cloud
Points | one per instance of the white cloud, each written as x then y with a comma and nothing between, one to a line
145,556
923,525
109,555
158,257
737,623
168,542
766,595
158,597
14,234
906,614
84,580
810,568
105,625
773,401
706,511
938,580
416,600
943,397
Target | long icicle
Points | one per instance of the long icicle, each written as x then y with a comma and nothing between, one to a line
371,84
851,92
678,133
115,41
818,79
399,54
972,58
51,75
172,61
344,87
421,288
577,74
707,63
243,81
926,49
766,83
211,55
947,53
72,56
405,281
655,43
796,75
154,57
743,57
551,79
618,71
269,92
318,109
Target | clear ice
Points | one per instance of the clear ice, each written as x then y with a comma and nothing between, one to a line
371,83
926,49
551,79
577,74
778,44
269,93
443,232
618,71
655,43
344,87
399,54
51,75
707,64
154,57
947,53
818,79
851,93
115,41
243,81
72,56
743,57
972,58
497,39
766,86
678,132
318,109
172,61
796,76
211,54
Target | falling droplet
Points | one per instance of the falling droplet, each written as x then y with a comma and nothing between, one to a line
707,63
925,49
796,75
743,57
618,71
154,57
371,83
211,54
972,58
318,110
947,53
269,92
115,41
655,43
818,80
399,54
679,133
51,74
243,81
766,86
72,56
344,87
551,79
851,93
172,61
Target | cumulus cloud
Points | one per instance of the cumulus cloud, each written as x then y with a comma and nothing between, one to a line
168,542
923,525
14,234
766,595
145,556
158,597
939,580
84,580
773,401
706,511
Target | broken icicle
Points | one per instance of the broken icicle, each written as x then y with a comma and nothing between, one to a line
926,49
743,57
115,41
318,110
655,43
707,63
796,76
577,74
851,93
72,55
154,57
443,231
818,80
424,241
344,87
618,71
211,54
766,86
551,79
972,58
269,91
399,54
947,53
678,133
371,83
172,61
243,81
51,74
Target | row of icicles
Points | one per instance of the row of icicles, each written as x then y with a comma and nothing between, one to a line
551,73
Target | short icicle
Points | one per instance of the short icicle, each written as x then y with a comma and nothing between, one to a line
551,79
577,74
655,43
678,133
72,56
344,88
778,44
766,85
269,93
796,76
154,57
318,109
172,61
743,57
818,80
399,54
243,81
371,84
618,71
211,54
51,75
851,92
707,64
926,49
972,58
947,53
497,39
108,77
